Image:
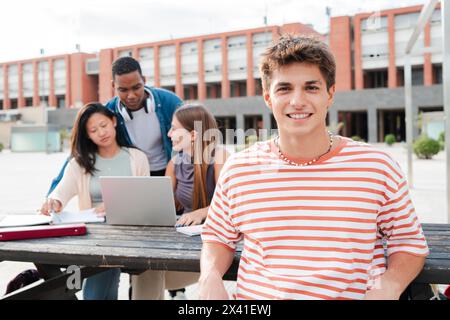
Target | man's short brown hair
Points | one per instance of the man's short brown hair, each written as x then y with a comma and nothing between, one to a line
304,49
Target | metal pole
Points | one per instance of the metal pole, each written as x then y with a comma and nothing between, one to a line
424,17
445,14
409,118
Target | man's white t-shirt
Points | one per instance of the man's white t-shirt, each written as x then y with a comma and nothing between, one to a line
145,133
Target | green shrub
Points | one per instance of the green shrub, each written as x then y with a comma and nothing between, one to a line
441,140
1,147
390,139
64,134
425,147
251,140
357,138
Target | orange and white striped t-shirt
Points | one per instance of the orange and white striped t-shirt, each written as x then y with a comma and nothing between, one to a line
313,232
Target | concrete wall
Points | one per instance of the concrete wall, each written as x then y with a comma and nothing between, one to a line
32,115
64,118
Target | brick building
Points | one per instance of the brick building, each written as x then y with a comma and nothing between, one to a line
221,70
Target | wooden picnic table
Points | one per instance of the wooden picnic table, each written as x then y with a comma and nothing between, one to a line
136,249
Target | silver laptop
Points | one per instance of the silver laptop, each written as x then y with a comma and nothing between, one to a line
139,201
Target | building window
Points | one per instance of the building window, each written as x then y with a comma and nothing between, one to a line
28,79
375,23
43,78
238,88
13,81
1,104
355,124
406,21
14,103
60,102
44,100
28,102
190,92
417,76
253,123
59,76
437,73
391,122
227,127
376,78
213,90
258,87
125,53
169,88
400,77
146,59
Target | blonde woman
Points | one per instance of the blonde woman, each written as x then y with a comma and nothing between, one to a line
194,171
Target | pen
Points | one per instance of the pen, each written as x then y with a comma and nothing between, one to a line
53,215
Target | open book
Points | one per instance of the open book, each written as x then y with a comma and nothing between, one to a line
23,220
85,216
64,217
191,230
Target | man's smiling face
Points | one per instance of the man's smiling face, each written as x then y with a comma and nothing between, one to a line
299,99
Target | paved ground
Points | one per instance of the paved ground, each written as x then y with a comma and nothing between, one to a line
25,178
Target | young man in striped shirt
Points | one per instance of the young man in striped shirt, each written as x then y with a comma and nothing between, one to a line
317,212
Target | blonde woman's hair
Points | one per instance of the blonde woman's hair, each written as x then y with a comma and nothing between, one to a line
189,115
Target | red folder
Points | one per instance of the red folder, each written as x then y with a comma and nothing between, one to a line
45,231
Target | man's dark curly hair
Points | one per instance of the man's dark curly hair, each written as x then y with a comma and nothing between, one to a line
125,65
294,48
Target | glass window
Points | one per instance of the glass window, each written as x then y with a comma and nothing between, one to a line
376,78
417,76
125,53
374,22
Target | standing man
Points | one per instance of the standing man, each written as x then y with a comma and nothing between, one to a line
316,211
144,117
144,113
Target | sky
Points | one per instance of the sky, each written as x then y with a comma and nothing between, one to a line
57,26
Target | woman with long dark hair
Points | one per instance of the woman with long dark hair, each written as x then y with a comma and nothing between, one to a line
194,171
96,151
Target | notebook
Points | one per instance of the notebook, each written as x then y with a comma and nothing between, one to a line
84,216
17,220
64,217
46,231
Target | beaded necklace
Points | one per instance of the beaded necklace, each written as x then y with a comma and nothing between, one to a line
308,163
